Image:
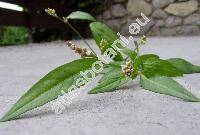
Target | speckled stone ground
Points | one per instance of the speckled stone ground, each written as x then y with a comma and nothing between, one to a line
130,111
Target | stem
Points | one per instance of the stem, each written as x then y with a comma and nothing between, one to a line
126,58
137,48
76,31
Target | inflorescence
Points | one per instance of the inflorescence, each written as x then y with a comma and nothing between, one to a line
81,51
127,69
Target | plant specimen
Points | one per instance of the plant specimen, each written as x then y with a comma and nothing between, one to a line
126,65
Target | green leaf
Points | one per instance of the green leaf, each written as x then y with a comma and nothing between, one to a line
139,60
184,66
113,73
153,66
167,86
145,57
101,31
112,65
49,87
132,54
137,63
109,85
116,64
106,70
81,16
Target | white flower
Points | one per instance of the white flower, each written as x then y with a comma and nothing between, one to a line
51,12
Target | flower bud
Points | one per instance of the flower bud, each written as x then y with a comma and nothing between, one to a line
143,40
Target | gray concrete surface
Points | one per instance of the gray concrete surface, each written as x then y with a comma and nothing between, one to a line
130,111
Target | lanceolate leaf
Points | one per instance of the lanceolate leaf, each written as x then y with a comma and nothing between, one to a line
184,66
49,87
110,85
101,31
152,67
114,73
81,16
167,86
111,66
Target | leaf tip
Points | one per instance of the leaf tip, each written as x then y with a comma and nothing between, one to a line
91,92
4,119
